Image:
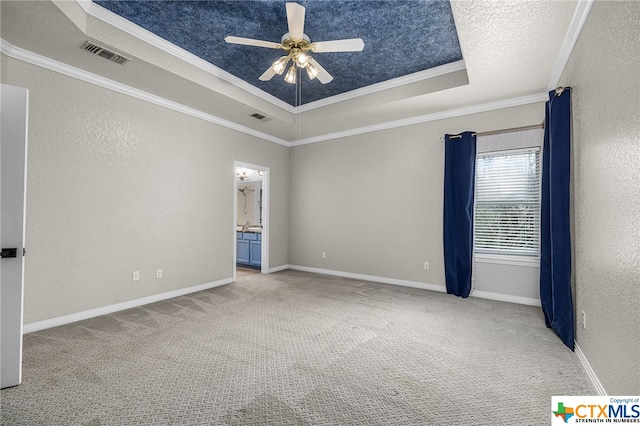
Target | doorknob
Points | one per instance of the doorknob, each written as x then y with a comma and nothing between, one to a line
9,252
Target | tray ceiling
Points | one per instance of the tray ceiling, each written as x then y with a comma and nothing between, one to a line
513,52
401,38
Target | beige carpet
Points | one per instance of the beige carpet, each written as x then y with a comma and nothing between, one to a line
298,348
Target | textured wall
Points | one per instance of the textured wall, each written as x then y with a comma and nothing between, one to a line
373,202
603,72
116,184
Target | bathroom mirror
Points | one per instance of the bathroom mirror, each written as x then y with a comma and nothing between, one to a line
249,187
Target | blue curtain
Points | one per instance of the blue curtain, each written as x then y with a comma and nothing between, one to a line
459,183
555,237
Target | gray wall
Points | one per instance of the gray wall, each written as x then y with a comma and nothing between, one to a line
603,72
373,202
116,184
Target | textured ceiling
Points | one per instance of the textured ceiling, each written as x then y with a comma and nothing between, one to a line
401,37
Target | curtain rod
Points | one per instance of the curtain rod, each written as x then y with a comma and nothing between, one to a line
497,132
559,91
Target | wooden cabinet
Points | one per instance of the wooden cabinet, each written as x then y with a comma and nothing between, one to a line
249,249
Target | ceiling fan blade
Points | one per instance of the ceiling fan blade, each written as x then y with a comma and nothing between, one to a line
323,76
252,42
347,45
295,18
267,75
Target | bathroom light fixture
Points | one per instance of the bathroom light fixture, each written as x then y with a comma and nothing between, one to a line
242,176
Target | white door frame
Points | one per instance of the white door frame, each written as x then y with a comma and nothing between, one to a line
265,213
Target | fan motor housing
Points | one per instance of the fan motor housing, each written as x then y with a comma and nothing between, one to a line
289,43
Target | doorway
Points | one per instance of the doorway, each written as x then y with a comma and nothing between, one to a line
250,218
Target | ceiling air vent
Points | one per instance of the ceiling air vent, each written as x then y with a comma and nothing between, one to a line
260,117
107,54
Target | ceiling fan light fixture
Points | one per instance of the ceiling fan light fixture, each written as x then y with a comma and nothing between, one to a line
291,74
279,66
297,45
312,71
302,60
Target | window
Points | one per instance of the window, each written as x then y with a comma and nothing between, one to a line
507,210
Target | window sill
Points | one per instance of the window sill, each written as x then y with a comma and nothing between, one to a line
512,260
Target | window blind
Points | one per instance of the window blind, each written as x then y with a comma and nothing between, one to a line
507,202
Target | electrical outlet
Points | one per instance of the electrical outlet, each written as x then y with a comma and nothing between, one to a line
135,276
324,254
426,266
158,274
584,321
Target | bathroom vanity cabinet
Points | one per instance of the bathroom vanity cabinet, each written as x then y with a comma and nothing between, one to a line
249,249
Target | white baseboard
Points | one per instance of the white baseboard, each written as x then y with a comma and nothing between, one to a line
506,298
592,375
383,280
278,269
79,316
414,284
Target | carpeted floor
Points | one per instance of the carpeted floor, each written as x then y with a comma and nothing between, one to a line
298,348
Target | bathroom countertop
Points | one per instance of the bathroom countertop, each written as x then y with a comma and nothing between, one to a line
250,230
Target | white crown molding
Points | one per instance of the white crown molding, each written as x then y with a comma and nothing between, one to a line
52,65
384,85
578,20
91,313
121,23
592,374
474,109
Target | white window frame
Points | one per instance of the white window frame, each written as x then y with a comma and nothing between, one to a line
505,256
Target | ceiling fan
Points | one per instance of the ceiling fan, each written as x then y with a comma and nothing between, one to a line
298,47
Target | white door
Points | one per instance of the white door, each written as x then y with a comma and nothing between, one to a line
13,168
